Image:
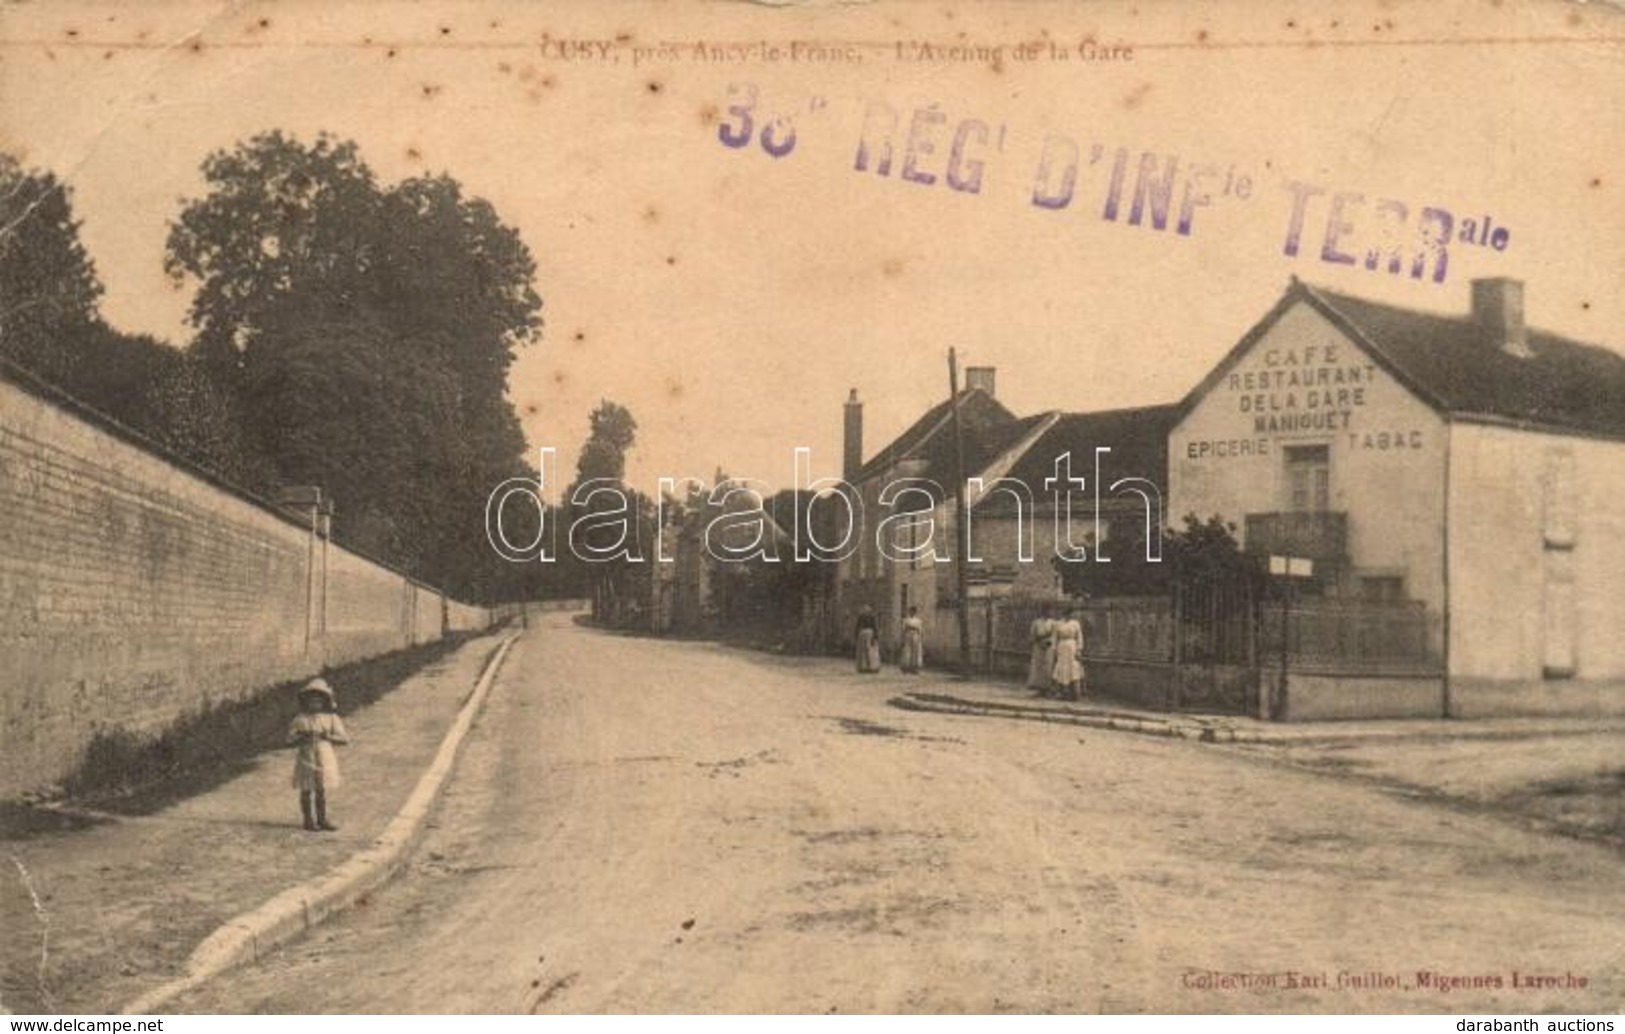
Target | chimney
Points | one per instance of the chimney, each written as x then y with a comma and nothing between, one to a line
852,454
981,377
1498,310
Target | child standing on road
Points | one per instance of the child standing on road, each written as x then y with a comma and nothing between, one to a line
314,733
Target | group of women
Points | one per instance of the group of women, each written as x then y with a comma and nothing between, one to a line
1056,668
912,653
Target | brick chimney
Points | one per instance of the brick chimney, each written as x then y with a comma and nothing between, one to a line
852,444
981,377
1498,309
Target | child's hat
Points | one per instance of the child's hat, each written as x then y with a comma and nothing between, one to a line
320,688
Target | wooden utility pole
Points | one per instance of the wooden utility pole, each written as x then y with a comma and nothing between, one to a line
961,525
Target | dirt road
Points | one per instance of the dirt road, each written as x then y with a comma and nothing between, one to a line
651,826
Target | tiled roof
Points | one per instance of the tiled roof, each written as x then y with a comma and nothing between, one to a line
1453,363
984,443
818,525
1138,439
988,429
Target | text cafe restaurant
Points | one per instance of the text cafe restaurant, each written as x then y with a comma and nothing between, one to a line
1469,464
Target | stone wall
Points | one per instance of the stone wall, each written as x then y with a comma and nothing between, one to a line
135,589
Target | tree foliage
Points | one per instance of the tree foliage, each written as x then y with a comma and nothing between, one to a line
611,435
1202,552
349,334
619,584
283,227
367,331
1207,552
289,229
48,286
49,324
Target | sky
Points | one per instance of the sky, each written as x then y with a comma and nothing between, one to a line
731,298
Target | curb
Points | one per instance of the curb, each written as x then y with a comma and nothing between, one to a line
291,913
1188,728
1144,726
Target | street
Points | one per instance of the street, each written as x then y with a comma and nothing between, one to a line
639,825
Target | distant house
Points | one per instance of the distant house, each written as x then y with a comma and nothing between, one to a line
805,590
1470,465
713,573
1130,447
1010,466
924,455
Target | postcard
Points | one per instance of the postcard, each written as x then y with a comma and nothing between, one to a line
892,507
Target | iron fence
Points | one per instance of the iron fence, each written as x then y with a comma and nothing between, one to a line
1350,636
1212,641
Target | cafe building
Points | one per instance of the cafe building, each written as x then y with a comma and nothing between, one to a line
1469,466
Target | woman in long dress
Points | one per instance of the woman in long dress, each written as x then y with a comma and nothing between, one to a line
867,638
1043,658
1068,671
913,652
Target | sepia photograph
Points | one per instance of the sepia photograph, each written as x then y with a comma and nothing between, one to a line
520,507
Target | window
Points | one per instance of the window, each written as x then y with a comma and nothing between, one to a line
1384,588
915,561
1560,500
1560,616
1308,477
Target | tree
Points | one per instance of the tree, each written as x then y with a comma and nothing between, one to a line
449,266
618,580
286,225
48,286
367,333
49,324
612,432
1207,553
1202,553
191,413
283,226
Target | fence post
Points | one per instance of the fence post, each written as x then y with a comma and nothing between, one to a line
1178,696
1255,621
1279,703
987,606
